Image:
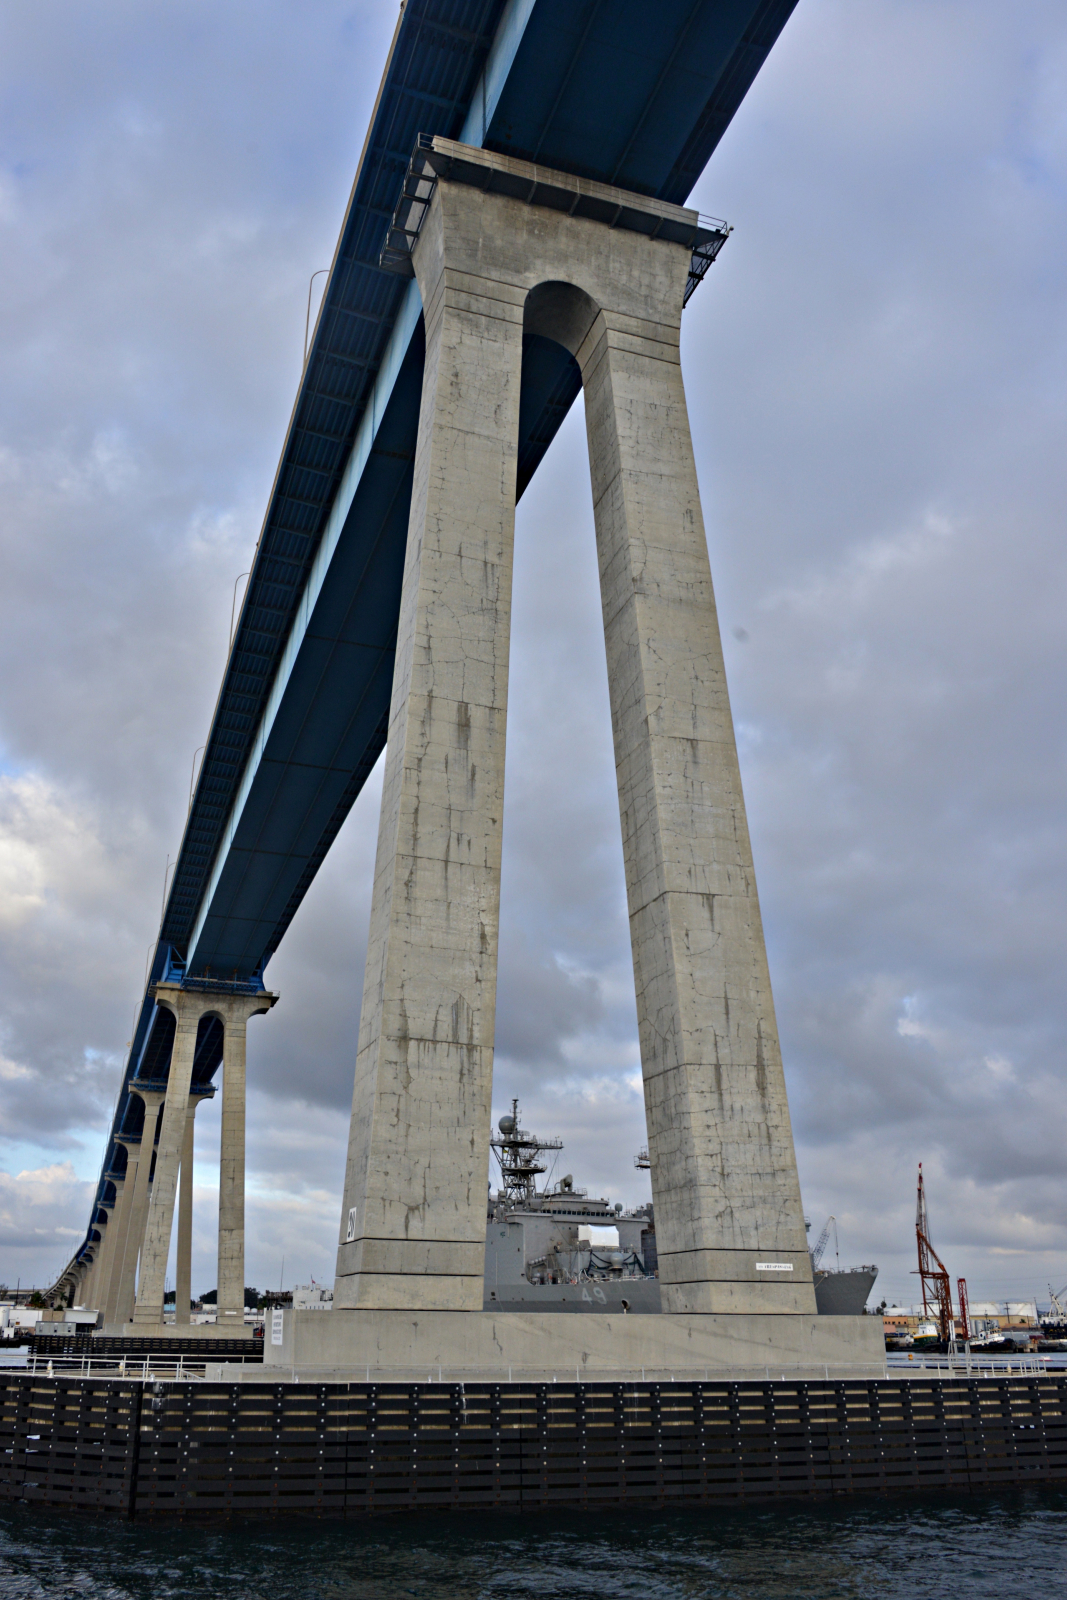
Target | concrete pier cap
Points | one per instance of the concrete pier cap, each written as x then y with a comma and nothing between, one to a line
505,251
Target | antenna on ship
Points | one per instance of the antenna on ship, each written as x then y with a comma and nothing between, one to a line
519,1154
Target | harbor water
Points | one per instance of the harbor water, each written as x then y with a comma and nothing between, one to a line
971,1547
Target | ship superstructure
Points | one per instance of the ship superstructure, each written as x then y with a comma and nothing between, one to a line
536,1255
535,1252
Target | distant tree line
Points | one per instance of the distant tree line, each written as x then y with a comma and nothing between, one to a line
211,1298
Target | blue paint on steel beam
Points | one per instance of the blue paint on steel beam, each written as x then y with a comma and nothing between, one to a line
396,350
253,938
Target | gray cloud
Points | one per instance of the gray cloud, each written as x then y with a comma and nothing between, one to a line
875,376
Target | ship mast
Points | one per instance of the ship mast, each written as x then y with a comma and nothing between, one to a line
519,1154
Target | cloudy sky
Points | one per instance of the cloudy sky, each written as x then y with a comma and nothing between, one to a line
876,378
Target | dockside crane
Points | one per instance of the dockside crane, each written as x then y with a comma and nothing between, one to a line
820,1243
965,1309
937,1290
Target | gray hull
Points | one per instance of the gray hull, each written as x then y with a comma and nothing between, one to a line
837,1294
843,1294
607,1294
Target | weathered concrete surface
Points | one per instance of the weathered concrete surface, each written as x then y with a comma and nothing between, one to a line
183,1270
723,1167
168,1330
724,1177
189,1007
345,1341
141,1154
117,1228
235,1012
100,1271
413,1217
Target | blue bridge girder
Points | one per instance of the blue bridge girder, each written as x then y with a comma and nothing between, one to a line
628,93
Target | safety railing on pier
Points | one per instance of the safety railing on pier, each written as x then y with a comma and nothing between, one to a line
141,1369
156,1368
966,1364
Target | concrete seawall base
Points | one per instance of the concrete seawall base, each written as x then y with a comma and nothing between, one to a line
491,1342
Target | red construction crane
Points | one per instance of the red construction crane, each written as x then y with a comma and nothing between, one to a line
937,1291
965,1309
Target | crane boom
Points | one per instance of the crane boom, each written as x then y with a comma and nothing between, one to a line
937,1290
820,1243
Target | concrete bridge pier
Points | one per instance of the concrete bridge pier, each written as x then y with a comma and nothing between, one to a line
126,1287
413,1217
117,1229
190,1006
104,1250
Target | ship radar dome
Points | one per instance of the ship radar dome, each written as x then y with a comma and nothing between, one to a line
506,1125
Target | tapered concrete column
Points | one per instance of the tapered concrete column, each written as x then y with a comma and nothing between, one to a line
117,1229
187,1010
724,1174
188,1006
413,1217
141,1153
184,1266
101,1266
231,1270
85,1267
729,1222
99,1229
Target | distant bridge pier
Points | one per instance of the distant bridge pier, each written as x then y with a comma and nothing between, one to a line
118,1229
113,1237
183,1275
102,1253
144,1150
190,1006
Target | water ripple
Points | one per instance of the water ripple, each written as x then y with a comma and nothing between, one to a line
979,1547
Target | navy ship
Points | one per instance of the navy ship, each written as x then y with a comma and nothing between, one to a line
536,1256
839,1291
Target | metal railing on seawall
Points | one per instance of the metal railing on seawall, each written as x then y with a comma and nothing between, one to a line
124,1369
368,1373
967,1365
186,1369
